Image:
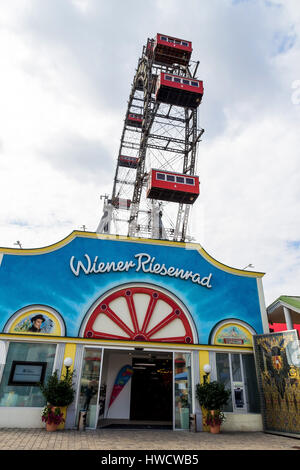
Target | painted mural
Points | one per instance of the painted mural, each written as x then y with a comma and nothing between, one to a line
36,320
183,286
233,334
38,323
278,365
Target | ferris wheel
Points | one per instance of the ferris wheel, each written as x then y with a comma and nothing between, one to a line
155,181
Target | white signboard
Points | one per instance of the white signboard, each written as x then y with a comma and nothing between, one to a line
27,373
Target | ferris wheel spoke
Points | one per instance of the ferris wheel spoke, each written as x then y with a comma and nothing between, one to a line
119,322
132,310
150,310
166,321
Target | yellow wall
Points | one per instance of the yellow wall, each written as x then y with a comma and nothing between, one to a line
203,359
70,351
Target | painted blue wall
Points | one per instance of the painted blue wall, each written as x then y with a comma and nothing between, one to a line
47,279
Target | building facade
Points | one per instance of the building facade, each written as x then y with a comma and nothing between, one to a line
140,319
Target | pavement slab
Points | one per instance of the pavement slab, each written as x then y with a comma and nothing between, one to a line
115,439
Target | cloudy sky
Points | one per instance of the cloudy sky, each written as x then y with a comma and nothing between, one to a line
66,72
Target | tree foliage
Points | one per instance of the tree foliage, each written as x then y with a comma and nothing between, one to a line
59,392
212,395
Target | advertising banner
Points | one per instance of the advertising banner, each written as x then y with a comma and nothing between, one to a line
121,380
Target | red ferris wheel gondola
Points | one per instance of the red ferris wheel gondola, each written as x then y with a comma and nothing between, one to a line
169,50
128,162
134,120
179,91
173,187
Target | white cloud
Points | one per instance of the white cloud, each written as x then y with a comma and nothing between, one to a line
66,72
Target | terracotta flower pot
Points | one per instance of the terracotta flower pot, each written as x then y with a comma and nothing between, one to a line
215,429
51,427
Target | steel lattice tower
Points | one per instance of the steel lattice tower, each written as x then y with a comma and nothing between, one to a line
158,135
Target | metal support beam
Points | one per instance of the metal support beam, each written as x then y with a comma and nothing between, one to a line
175,129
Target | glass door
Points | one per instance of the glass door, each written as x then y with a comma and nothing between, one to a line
89,385
183,390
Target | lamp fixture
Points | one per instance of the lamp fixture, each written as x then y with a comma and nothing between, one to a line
207,370
67,363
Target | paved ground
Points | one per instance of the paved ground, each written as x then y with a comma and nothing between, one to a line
112,439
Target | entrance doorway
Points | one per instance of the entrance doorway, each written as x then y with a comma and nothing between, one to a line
151,389
145,399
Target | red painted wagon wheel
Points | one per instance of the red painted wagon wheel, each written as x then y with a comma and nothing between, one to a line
139,313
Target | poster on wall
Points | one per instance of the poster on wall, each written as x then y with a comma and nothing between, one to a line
277,357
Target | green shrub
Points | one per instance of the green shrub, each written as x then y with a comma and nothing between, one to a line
59,392
212,395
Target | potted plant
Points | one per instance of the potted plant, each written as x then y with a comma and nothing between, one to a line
53,417
212,396
214,419
59,394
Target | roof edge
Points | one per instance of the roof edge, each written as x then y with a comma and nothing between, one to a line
84,234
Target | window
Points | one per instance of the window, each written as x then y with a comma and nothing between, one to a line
183,390
179,179
160,176
177,41
189,181
195,84
167,77
170,178
184,43
163,38
25,395
89,384
252,393
237,372
186,82
178,80
170,40
223,375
